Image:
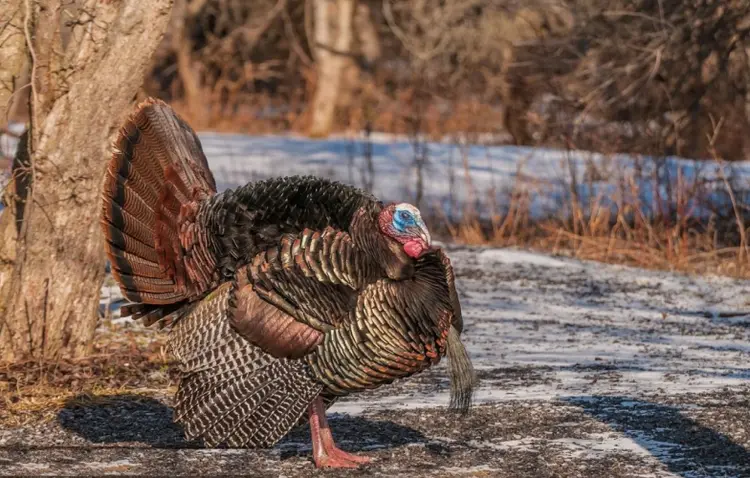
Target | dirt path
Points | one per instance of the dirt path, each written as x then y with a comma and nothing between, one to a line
587,370
699,435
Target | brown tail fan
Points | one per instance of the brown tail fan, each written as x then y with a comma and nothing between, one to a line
155,183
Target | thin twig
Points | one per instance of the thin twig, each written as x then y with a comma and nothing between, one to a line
32,80
736,209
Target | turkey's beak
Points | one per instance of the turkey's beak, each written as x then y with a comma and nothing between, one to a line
425,235
420,231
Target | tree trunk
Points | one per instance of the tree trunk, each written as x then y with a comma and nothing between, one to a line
13,53
367,34
355,95
50,277
183,48
333,43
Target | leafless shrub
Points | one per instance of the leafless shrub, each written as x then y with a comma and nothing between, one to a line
651,75
219,53
681,64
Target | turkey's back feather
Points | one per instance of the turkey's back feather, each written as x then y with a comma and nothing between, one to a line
250,219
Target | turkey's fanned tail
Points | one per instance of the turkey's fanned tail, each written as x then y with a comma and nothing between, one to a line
231,391
156,180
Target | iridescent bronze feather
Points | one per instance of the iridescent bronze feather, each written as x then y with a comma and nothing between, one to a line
281,295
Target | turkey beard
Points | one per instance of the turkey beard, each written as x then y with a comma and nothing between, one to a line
462,376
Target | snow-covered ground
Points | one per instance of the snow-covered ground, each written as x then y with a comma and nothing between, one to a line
8,145
459,174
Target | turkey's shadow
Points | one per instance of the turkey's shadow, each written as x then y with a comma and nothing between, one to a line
135,419
122,419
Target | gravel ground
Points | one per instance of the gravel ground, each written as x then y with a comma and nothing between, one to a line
699,435
587,370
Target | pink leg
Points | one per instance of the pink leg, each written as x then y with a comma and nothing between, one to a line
325,452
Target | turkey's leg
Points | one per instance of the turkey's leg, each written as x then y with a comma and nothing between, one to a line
325,452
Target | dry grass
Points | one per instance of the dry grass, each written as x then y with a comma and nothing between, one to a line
620,229
260,113
123,361
690,251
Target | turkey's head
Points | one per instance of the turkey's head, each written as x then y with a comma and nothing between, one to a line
403,223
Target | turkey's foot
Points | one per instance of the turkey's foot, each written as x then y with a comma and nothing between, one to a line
335,457
325,452
341,459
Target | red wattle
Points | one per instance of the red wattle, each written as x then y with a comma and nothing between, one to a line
414,248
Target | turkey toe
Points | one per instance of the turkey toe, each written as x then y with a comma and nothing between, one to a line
334,462
338,453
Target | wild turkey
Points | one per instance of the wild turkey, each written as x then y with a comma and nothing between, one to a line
282,295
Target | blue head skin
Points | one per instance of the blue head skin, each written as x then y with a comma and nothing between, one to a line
407,227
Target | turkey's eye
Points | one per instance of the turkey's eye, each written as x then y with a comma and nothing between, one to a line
404,216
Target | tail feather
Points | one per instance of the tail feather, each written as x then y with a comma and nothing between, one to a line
122,242
155,285
138,265
127,181
132,225
157,177
164,315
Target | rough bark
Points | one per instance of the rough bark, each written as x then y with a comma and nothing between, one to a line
333,44
84,84
12,52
